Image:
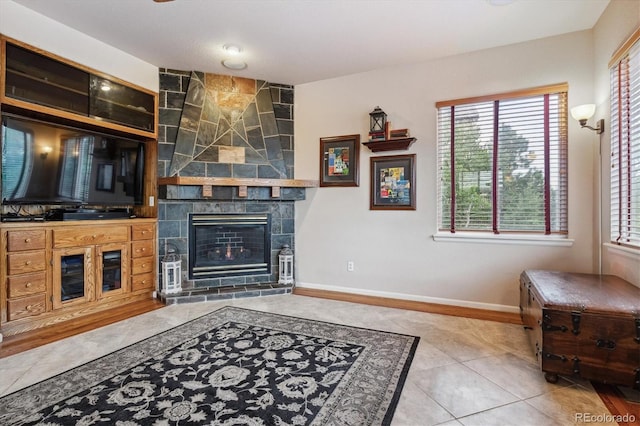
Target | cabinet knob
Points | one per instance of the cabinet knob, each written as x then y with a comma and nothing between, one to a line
28,262
27,285
27,240
29,307
144,281
94,236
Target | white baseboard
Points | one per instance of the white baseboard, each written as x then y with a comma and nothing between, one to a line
412,297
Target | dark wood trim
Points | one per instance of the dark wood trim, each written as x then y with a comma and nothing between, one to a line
434,308
397,144
32,339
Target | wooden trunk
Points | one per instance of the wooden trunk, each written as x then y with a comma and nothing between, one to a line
583,325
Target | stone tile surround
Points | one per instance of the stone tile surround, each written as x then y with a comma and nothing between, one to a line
223,126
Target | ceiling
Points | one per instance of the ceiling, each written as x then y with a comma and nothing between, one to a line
300,41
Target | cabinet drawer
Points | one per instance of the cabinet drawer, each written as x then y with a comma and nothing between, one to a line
142,248
22,263
142,281
25,240
142,265
23,285
26,306
143,231
89,235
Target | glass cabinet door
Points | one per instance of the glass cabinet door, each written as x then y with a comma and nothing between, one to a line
116,103
112,273
44,81
72,276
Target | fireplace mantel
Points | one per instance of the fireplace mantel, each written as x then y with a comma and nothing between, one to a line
207,183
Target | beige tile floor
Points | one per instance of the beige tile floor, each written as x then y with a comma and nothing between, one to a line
465,371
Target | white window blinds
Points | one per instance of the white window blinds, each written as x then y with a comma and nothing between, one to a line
625,148
503,162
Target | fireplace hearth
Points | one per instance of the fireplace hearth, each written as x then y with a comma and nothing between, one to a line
222,245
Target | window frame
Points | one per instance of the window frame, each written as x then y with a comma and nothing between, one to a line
624,226
496,235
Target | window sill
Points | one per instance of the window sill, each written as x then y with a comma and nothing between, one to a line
516,239
629,252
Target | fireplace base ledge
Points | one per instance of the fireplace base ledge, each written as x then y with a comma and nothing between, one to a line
209,294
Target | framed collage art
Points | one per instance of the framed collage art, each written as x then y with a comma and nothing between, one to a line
393,182
339,157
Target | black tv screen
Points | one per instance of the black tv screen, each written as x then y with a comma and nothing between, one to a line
45,163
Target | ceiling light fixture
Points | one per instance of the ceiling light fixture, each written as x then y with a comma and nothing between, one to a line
234,64
232,49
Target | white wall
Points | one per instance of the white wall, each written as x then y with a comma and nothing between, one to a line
25,25
617,23
393,251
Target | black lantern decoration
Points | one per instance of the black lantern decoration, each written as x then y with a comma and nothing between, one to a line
378,120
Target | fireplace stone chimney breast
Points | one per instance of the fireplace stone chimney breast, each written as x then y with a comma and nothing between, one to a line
215,126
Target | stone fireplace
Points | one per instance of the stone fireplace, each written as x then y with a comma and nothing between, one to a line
216,133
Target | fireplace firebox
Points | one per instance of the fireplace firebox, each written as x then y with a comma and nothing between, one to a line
222,245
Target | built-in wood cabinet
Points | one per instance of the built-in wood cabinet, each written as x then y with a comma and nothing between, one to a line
143,256
54,271
25,267
57,271
38,84
90,263
40,81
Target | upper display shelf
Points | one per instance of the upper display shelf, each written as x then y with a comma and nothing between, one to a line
44,83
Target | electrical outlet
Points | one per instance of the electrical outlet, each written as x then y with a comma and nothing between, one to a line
350,266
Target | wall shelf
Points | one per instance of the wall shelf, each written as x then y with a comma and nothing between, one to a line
399,144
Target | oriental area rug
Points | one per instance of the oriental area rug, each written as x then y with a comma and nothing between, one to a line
230,367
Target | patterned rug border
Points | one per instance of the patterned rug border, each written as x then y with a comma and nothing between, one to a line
203,324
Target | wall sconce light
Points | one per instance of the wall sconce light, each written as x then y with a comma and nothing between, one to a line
582,113
45,152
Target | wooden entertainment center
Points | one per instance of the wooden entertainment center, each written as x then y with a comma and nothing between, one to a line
57,269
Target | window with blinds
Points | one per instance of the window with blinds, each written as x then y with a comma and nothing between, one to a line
503,162
625,145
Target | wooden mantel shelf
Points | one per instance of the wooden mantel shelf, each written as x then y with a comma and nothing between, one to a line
242,183
216,181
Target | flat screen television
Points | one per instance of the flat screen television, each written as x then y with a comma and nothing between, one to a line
51,164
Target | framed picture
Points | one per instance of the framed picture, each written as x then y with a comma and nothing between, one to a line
393,182
339,156
106,177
